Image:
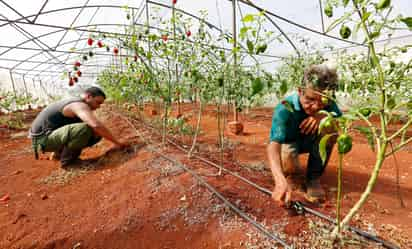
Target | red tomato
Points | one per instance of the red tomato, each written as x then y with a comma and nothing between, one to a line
90,41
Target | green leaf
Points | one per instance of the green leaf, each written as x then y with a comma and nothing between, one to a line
322,147
134,39
326,122
369,135
250,46
257,86
391,103
383,4
283,87
407,21
374,35
338,21
243,31
366,16
345,2
248,18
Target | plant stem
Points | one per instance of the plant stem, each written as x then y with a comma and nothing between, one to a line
380,156
339,193
199,119
372,180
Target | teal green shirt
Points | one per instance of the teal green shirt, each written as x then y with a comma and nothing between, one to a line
285,123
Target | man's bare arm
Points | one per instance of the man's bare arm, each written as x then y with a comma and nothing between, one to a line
282,191
83,111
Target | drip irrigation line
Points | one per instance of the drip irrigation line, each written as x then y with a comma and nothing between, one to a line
224,200
200,179
296,205
362,233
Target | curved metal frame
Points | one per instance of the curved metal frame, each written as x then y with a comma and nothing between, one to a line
26,20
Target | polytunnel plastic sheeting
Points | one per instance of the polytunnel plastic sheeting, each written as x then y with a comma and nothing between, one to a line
47,36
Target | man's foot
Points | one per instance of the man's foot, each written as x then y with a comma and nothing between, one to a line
296,182
314,191
54,156
75,163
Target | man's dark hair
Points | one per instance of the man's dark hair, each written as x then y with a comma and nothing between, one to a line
95,91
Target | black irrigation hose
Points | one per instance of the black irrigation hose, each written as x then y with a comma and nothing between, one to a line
239,212
298,206
222,198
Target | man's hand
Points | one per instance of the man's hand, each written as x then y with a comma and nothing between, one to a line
310,124
282,193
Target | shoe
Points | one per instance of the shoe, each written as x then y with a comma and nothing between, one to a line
69,157
314,191
296,182
54,156
76,163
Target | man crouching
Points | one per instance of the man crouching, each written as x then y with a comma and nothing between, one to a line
68,126
294,131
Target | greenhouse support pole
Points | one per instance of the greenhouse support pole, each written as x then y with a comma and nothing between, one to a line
321,16
234,3
25,87
44,89
179,111
148,29
34,85
12,84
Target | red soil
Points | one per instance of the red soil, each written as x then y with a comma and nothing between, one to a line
136,199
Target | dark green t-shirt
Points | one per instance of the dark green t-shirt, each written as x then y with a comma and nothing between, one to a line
285,123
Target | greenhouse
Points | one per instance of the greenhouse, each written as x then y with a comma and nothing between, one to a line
205,124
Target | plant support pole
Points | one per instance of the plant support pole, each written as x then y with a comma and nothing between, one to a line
12,84
234,3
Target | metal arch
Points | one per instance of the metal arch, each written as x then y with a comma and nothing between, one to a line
112,6
18,13
96,6
279,29
28,34
74,20
9,48
249,3
64,35
108,6
76,28
41,9
187,13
